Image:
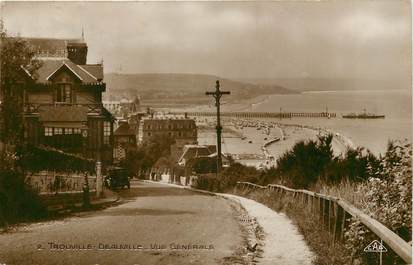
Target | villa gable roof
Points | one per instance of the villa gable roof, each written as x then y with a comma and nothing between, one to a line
85,73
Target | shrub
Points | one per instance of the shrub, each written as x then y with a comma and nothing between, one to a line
228,178
18,202
388,196
147,154
204,165
309,162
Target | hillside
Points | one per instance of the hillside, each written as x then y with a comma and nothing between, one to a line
329,84
181,87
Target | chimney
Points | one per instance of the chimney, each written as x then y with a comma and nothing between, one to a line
77,52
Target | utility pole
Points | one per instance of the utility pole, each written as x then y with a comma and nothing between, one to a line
217,95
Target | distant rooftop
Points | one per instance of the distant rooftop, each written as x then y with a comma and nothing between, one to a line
124,130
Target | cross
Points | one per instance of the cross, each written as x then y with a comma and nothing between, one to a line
217,95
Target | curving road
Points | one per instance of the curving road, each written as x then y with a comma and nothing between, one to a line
150,226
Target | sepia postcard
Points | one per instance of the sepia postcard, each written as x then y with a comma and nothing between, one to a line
206,132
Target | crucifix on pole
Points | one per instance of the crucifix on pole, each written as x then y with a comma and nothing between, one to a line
217,95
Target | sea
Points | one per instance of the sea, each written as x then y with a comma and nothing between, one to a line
371,134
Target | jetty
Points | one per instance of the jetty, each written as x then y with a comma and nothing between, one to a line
245,114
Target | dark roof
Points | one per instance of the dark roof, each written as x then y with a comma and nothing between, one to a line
51,66
194,151
108,114
49,44
95,69
47,67
124,130
63,113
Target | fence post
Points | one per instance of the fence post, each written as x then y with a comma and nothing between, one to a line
326,213
343,225
339,222
98,179
335,206
312,204
329,215
321,209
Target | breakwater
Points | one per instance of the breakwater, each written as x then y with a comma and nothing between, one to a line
245,114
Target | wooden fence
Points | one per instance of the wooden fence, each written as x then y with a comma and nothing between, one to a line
335,213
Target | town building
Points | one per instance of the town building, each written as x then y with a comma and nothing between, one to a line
63,100
183,169
112,105
182,130
123,107
124,141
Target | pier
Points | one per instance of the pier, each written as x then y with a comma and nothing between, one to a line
245,114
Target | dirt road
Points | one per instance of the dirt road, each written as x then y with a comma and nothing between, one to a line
154,224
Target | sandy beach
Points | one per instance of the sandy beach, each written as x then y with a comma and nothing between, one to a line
258,142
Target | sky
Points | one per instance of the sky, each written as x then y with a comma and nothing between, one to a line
304,39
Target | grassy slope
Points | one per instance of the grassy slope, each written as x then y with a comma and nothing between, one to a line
325,84
181,87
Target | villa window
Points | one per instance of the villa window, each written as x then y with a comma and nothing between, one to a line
64,93
106,132
58,131
48,131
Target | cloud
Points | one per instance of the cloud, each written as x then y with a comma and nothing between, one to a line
368,39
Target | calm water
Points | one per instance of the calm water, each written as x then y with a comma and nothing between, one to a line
372,134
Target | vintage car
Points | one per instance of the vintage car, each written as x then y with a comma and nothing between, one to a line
117,177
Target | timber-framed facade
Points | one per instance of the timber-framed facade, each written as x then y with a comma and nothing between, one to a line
63,101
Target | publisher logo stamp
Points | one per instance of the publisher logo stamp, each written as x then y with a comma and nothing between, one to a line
375,246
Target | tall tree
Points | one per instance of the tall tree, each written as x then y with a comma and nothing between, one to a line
17,64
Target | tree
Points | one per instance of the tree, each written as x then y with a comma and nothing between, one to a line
204,165
146,155
305,163
17,63
17,199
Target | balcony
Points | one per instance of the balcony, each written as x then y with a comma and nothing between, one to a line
36,108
